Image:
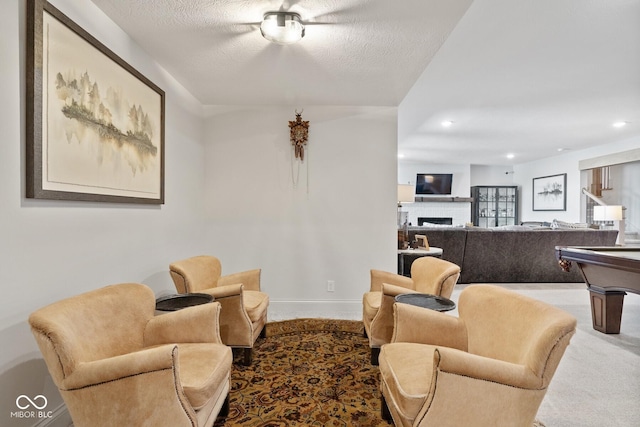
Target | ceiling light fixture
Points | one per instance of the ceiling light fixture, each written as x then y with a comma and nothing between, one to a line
447,123
282,27
619,124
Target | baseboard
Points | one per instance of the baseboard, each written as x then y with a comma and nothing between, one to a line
327,309
60,417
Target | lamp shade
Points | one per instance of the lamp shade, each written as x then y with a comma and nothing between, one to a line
406,193
607,213
282,27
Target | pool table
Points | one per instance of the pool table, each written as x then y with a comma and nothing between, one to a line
609,272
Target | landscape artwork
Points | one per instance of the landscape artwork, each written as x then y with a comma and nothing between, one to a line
549,193
102,123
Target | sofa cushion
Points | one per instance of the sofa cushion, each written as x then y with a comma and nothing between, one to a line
570,225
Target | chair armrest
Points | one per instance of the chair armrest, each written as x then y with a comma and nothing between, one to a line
236,327
197,324
469,365
378,277
250,279
425,326
146,361
225,291
393,290
381,328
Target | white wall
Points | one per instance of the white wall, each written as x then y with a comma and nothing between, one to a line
624,177
336,224
54,249
568,163
491,175
461,181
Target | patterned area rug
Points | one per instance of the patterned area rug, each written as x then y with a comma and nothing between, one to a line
307,372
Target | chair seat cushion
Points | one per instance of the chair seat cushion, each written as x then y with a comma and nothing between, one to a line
203,371
408,370
371,305
255,303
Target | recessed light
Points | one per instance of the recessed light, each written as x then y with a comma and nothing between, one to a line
400,156
619,124
510,156
447,123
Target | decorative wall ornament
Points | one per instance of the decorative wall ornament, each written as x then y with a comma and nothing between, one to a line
299,135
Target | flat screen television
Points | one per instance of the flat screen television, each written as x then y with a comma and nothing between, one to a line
434,183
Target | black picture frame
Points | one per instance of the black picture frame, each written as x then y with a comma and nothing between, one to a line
95,125
550,193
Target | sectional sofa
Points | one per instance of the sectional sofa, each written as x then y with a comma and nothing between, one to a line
517,254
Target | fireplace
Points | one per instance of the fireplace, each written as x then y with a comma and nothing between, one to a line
435,220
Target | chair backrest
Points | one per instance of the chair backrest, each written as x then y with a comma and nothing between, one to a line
95,325
435,276
502,324
196,273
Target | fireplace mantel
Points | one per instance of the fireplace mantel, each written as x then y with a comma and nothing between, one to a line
441,199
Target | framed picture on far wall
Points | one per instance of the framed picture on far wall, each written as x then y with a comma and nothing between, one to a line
422,242
550,193
95,125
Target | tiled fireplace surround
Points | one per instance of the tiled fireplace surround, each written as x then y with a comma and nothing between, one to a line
459,212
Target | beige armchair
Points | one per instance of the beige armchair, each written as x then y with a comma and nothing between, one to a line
489,367
244,306
115,364
429,275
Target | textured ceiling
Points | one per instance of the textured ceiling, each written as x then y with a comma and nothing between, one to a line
355,52
515,76
527,77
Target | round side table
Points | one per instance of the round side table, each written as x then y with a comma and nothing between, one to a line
432,302
180,301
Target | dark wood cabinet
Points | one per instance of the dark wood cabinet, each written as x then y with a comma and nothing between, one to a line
494,206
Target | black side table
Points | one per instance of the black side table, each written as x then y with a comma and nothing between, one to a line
432,302
180,301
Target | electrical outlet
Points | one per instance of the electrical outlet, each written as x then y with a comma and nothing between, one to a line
331,286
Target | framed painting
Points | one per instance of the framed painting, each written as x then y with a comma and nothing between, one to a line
422,242
550,193
95,125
